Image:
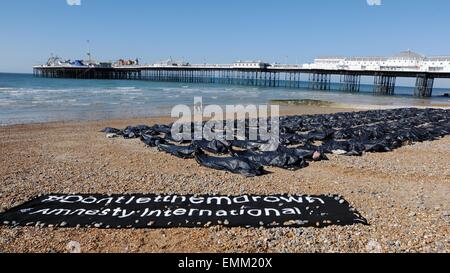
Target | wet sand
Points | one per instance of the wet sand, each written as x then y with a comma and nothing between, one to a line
404,194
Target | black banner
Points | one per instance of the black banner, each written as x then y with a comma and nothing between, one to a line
169,211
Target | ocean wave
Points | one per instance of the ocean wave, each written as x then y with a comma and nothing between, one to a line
50,91
169,89
37,91
7,100
126,87
117,91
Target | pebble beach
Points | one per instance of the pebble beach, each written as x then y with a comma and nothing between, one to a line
404,194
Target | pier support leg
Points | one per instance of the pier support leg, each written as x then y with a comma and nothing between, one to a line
350,82
384,85
320,81
424,86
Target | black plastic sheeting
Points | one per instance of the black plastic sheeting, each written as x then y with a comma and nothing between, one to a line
304,139
234,164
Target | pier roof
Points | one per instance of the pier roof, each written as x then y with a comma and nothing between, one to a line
408,55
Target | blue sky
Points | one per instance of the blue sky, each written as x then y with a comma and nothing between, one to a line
218,31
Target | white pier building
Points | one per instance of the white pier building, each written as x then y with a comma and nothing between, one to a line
407,61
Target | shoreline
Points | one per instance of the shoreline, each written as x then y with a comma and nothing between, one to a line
287,107
404,194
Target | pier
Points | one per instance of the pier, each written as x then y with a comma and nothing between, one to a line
323,74
280,76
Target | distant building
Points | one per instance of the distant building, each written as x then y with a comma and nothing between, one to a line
104,65
437,64
330,62
122,62
171,63
404,61
251,64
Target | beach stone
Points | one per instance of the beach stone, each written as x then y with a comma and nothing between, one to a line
373,247
73,247
412,214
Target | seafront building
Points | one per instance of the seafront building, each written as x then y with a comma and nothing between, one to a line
404,61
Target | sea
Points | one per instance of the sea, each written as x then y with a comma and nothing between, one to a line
26,99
